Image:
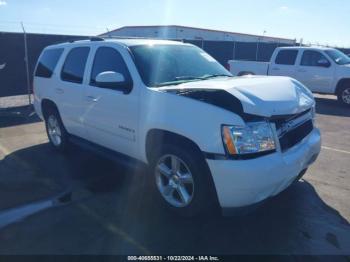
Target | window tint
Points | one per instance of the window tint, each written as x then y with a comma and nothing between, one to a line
74,66
312,58
109,59
286,57
48,62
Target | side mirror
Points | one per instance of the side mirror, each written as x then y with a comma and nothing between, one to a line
323,63
113,80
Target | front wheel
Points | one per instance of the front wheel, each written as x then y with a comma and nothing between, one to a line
183,181
344,96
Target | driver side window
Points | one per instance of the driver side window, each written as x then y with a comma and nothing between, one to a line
108,59
313,58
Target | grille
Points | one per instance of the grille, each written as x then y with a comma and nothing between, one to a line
295,136
281,120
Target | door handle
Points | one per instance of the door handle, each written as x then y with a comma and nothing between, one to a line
276,69
91,99
302,70
59,90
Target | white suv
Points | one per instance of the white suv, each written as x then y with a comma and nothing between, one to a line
208,137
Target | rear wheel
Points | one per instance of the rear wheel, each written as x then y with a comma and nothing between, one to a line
344,95
183,181
56,132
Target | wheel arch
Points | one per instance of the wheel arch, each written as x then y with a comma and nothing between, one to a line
46,105
157,137
341,83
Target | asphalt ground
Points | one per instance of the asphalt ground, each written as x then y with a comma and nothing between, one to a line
113,210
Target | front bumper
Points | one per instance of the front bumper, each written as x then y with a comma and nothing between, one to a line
242,183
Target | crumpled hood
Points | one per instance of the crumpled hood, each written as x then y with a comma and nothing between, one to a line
260,95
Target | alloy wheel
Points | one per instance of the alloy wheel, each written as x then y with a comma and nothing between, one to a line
346,96
174,181
54,130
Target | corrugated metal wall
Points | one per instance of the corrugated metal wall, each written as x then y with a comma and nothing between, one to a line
13,72
192,33
13,78
225,50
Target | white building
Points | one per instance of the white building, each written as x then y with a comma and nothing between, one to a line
177,32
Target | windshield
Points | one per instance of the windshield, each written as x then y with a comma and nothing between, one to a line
337,56
161,65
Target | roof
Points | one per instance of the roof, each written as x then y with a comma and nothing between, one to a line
196,28
307,47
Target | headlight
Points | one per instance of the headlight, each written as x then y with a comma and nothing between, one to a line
252,138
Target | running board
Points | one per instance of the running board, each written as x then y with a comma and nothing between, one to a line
115,156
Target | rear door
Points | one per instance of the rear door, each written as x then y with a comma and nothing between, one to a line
69,90
315,71
284,63
110,114
44,77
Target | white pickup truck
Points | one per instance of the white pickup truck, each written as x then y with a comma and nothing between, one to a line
322,70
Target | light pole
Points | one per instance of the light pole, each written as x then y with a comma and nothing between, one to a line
27,64
257,45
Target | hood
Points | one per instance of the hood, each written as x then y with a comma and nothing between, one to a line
261,96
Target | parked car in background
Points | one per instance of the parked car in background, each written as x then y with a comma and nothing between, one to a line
209,138
322,70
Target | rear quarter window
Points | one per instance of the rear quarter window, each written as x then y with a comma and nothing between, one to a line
286,57
48,62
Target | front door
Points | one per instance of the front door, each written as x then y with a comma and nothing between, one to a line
110,113
315,71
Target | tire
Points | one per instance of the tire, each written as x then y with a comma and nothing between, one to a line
170,185
343,95
55,130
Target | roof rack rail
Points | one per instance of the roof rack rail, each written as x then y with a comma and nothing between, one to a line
128,37
96,38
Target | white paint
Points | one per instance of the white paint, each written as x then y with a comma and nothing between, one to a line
122,122
336,150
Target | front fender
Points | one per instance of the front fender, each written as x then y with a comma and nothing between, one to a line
198,121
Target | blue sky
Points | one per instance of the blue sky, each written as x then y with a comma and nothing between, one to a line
316,21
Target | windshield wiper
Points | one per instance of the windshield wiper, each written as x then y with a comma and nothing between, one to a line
179,80
185,79
215,75
188,78
175,83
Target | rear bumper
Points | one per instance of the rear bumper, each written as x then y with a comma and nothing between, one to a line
241,183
